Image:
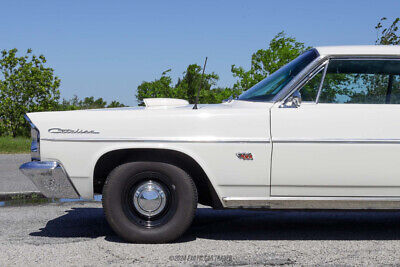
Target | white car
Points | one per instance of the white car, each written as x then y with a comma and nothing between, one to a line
323,132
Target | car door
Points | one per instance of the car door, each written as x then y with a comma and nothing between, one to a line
344,139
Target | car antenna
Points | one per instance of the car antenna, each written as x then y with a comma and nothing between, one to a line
201,83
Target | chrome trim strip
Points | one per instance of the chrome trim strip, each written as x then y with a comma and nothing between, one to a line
321,84
35,140
29,121
365,57
254,141
339,141
313,202
138,140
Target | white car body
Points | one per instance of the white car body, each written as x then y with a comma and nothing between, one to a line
211,135
313,156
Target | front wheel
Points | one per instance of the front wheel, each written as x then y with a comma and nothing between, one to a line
149,202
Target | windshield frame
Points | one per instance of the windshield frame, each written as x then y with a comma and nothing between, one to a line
293,82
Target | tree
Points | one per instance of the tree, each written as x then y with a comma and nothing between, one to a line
71,104
115,104
186,87
26,85
157,88
217,95
87,103
281,50
91,103
192,80
389,35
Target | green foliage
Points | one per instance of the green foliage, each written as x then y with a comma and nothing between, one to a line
158,88
185,88
217,95
91,103
390,34
191,82
87,103
281,50
26,85
115,104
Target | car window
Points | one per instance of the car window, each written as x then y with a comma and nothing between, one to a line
360,81
309,91
266,89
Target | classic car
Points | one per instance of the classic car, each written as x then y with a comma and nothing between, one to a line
323,132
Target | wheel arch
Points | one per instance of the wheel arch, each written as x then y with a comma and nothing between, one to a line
111,159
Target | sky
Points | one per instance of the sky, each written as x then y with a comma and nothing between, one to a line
107,48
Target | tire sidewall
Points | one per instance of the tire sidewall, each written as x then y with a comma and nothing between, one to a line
180,185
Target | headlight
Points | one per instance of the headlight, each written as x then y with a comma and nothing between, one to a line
35,144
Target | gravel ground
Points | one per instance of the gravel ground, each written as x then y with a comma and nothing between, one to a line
11,179
77,234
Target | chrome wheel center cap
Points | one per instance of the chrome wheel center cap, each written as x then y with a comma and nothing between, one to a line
149,198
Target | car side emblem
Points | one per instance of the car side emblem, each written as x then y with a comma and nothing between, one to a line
245,156
71,131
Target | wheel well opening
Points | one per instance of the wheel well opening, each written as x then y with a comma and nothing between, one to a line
109,161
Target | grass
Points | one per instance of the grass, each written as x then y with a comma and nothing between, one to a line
9,145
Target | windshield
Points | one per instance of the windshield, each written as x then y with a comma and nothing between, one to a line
270,86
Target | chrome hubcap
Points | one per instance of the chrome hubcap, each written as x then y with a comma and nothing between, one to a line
149,198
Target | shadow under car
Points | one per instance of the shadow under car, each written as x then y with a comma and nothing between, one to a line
245,225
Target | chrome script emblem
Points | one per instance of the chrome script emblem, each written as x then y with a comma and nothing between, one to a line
245,156
71,131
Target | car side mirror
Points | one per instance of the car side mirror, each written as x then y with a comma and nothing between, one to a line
292,101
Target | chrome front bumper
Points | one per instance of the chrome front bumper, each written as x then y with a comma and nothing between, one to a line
50,178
